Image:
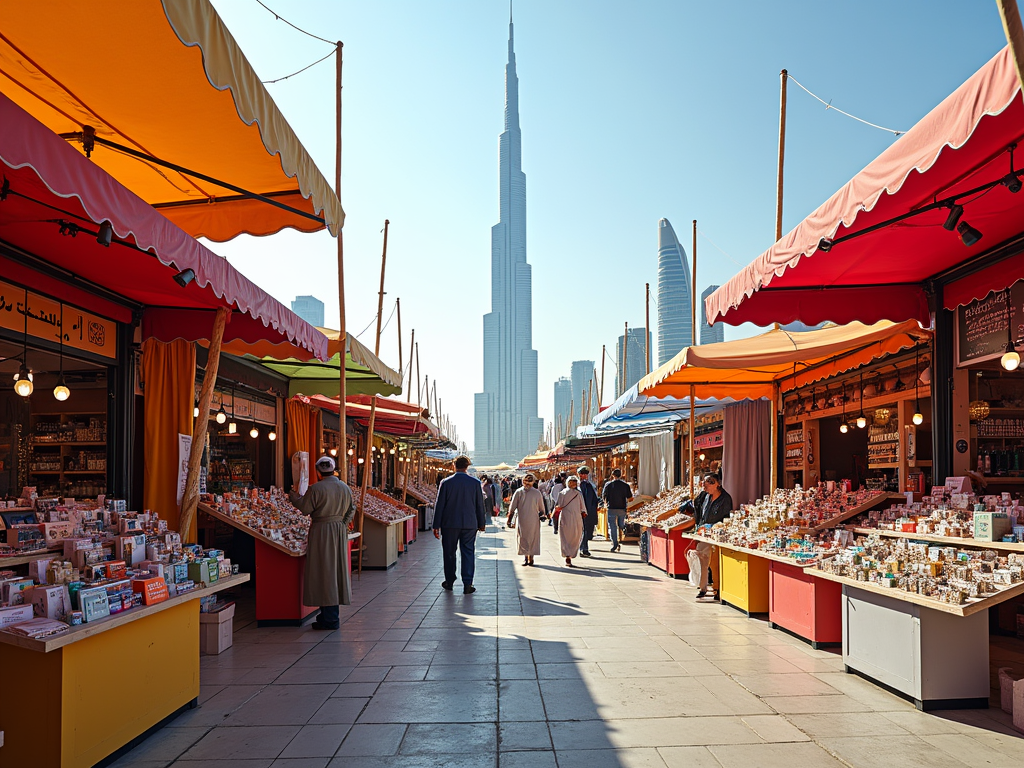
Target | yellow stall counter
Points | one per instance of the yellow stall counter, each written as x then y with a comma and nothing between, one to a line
74,699
744,578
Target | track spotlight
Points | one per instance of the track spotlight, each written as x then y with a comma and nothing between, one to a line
825,245
5,189
955,212
105,235
1013,183
1011,357
23,381
968,234
68,229
185,277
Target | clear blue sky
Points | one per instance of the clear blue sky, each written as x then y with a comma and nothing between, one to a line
630,112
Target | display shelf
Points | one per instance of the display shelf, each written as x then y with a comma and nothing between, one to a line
85,631
853,512
967,609
1002,546
58,443
206,508
885,465
10,562
751,551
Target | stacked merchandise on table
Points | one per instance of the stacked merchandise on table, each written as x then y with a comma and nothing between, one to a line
953,516
783,523
112,561
43,523
267,513
382,507
663,511
946,574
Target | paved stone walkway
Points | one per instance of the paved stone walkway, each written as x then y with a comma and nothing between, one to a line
609,665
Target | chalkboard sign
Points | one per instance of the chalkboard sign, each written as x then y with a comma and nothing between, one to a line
982,325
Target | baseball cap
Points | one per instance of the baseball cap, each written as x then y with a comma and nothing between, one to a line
325,464
583,471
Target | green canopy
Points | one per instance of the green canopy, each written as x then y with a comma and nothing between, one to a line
365,374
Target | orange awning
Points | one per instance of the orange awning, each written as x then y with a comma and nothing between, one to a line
166,80
750,368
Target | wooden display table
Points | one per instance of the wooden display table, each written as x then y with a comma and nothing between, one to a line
381,542
410,529
743,574
934,653
804,605
279,576
53,710
42,554
667,550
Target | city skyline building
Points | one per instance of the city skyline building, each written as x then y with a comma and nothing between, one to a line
310,309
581,374
674,291
563,398
636,360
709,334
506,424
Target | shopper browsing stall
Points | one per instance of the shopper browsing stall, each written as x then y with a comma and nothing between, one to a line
326,582
712,505
524,514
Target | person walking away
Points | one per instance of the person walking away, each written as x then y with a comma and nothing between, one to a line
712,505
490,497
617,494
327,581
459,514
590,500
524,513
570,510
557,486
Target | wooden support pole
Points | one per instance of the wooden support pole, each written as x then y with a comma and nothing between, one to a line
625,357
412,346
647,325
693,424
418,391
342,333
784,75
1009,13
380,293
693,292
190,499
398,311
600,394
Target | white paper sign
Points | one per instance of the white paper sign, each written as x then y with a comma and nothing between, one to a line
184,449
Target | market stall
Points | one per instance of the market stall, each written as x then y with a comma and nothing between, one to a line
929,230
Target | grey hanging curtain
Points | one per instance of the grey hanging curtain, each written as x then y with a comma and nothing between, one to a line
746,450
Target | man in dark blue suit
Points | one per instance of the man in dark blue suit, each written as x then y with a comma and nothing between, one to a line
590,500
459,513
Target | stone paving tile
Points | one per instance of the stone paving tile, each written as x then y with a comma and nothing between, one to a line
608,665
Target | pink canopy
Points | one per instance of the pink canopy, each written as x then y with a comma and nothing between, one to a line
960,145
46,181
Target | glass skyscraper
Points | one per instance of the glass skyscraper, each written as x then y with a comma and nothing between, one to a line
709,334
674,292
581,374
310,309
563,399
506,423
636,359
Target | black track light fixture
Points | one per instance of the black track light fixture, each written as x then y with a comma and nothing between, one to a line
185,277
955,212
1013,183
5,189
968,234
825,245
106,234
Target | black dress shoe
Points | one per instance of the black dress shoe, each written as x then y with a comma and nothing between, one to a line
469,589
584,554
446,585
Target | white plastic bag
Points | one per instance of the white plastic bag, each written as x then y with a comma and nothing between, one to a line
697,565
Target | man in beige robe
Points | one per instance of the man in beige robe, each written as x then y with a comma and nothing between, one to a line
327,582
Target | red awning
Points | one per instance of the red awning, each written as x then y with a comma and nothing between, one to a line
47,182
958,146
393,417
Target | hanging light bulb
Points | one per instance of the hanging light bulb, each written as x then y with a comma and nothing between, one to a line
195,410
918,417
272,435
862,420
360,459
23,381
221,415
61,391
844,428
1011,357
254,432
351,451
334,451
392,452
232,426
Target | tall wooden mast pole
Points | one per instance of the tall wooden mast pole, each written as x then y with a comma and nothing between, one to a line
419,402
398,311
342,333
600,394
412,346
625,358
784,75
693,343
368,453
647,324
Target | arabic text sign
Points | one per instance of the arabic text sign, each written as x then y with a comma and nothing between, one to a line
81,330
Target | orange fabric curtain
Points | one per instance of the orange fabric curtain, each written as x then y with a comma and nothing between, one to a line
169,379
297,421
316,434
